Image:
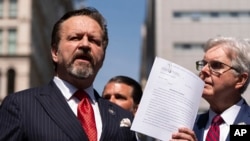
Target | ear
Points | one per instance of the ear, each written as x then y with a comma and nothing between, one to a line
242,78
135,108
54,54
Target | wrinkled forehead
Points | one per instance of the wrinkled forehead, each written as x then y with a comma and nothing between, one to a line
80,22
220,51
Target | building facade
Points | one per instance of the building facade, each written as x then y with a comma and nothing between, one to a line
25,32
177,30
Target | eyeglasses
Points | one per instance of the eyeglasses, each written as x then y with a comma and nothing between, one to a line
216,67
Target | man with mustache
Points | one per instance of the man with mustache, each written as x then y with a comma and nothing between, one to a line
55,112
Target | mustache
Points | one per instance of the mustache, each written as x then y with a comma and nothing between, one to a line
83,55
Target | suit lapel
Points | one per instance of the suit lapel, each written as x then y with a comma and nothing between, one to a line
200,125
57,108
243,115
109,119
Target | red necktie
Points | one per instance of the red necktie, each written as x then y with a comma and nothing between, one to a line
85,114
214,130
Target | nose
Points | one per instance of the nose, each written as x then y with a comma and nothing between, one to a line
84,44
206,68
85,40
112,99
205,71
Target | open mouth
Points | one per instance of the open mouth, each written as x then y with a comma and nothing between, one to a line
83,57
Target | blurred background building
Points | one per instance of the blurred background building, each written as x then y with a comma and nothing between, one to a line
25,31
177,30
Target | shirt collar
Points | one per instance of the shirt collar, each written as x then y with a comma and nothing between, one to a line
68,89
229,115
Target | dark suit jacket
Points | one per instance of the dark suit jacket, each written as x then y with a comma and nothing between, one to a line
42,114
202,119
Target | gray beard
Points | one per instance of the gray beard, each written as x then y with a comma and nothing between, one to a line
83,72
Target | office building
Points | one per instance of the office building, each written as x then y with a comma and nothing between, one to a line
25,32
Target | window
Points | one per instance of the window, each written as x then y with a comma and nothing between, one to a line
177,14
1,40
0,81
214,14
234,14
12,41
188,46
199,15
1,8
11,81
13,9
195,16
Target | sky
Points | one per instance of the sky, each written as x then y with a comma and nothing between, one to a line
123,55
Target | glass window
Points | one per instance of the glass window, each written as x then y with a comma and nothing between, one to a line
188,46
214,14
13,9
1,8
234,14
177,14
11,81
1,40
0,81
199,15
12,39
196,16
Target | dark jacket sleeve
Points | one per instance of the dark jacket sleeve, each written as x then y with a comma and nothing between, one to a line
10,120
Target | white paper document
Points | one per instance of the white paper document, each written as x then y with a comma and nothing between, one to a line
170,100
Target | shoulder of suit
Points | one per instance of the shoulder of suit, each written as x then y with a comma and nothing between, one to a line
113,106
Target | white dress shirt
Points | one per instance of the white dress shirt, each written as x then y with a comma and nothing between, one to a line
68,90
228,116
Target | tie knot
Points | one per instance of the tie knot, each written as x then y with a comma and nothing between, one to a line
217,120
80,94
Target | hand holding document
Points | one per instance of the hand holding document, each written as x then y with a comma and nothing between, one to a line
170,100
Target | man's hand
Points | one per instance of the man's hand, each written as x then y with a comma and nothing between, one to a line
184,134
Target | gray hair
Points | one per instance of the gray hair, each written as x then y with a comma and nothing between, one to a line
238,50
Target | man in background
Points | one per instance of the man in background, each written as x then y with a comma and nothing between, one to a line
123,91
